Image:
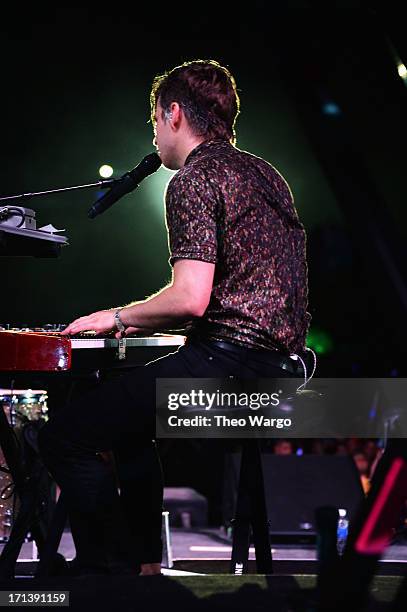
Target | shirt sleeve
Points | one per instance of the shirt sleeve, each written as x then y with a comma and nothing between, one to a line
191,219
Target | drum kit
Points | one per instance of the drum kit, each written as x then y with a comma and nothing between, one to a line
23,409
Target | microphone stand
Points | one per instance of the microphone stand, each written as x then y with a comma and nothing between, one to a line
103,184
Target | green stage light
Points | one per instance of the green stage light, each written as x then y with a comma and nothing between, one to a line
319,341
106,171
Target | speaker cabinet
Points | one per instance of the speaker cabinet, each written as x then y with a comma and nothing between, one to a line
295,486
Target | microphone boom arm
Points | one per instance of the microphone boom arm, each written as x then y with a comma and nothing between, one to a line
117,187
104,184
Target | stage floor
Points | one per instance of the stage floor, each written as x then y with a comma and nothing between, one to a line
197,580
208,551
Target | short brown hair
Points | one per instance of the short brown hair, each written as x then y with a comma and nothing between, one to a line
207,94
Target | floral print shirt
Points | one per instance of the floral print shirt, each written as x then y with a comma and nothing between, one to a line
228,207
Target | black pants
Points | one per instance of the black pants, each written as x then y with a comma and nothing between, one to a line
119,415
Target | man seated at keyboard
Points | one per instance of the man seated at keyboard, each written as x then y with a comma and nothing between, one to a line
237,251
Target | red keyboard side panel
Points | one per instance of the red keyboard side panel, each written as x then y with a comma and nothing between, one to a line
28,351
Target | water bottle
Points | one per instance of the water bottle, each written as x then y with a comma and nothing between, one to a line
342,531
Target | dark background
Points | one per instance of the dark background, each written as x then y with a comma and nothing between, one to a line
75,95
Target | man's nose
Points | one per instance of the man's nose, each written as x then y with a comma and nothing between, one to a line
155,141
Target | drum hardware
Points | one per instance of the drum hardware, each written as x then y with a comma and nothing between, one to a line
7,509
25,410
32,485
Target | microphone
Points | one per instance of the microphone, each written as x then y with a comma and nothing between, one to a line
128,182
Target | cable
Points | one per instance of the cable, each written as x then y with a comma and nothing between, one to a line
306,378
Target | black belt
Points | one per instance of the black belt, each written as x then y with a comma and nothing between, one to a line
274,357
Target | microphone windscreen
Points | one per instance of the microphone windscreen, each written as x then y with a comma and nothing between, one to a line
149,164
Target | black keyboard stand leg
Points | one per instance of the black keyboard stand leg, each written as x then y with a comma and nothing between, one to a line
251,513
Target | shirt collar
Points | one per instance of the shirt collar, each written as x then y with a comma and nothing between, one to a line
204,147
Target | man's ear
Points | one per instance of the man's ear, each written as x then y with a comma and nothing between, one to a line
175,115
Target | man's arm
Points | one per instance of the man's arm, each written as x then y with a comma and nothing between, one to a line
185,298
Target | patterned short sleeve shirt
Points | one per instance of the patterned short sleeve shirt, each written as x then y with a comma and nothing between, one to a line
228,207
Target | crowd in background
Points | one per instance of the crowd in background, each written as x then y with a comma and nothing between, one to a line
365,452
